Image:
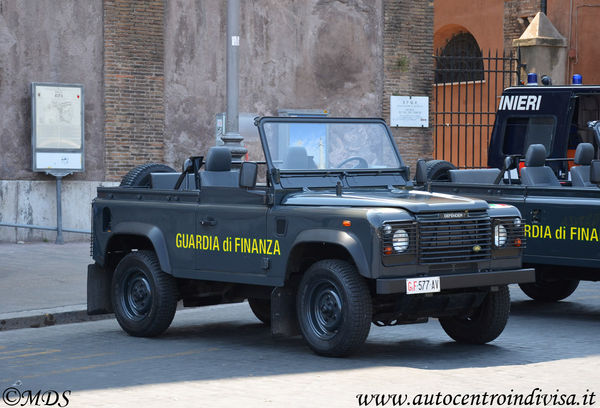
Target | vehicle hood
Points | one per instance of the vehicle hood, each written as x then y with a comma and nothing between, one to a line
413,201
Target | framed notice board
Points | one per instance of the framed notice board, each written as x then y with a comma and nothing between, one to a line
57,127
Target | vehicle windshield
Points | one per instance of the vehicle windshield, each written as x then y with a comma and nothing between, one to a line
330,145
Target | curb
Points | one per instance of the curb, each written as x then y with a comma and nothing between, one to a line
48,317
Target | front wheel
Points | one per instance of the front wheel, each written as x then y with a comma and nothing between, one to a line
549,291
144,297
484,324
334,308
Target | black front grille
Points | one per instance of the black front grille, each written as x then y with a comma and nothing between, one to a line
459,238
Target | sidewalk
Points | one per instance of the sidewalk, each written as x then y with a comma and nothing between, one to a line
43,284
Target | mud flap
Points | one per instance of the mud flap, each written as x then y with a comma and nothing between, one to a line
284,321
98,290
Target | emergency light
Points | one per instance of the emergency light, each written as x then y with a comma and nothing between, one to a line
577,79
532,79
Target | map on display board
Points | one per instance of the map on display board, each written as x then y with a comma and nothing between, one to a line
57,127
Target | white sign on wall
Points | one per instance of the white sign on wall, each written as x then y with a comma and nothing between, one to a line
57,127
409,111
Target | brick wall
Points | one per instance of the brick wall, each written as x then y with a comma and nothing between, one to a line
408,67
133,84
515,18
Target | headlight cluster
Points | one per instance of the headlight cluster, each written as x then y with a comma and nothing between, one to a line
509,228
397,239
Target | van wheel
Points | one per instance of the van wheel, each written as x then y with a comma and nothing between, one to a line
140,176
144,297
549,291
484,324
437,170
334,308
261,309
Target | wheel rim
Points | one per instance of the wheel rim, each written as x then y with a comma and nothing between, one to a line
137,295
325,309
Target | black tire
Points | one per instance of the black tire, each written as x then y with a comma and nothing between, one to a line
485,324
140,175
549,291
144,297
261,309
437,170
334,308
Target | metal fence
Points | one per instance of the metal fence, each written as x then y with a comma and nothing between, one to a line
467,88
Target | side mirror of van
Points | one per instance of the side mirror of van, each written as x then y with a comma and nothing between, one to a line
421,173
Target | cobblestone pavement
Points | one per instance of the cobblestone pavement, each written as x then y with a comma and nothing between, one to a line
222,356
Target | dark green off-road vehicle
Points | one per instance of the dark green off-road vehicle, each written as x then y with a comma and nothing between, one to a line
332,240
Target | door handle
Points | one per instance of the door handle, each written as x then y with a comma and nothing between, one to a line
209,221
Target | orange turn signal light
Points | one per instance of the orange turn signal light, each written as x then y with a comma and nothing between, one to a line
518,242
346,223
388,250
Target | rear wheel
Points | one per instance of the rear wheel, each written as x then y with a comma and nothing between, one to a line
140,175
484,324
549,291
261,309
144,297
334,308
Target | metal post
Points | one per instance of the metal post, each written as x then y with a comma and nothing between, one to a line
59,234
232,138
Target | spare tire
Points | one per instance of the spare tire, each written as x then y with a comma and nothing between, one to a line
140,175
437,170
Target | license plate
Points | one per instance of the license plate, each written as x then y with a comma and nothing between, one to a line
423,285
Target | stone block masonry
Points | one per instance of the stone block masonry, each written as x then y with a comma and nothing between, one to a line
133,84
408,68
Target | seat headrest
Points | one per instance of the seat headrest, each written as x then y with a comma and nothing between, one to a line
584,154
535,156
296,158
218,159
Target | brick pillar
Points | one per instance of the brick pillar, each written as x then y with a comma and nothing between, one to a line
408,67
515,21
133,84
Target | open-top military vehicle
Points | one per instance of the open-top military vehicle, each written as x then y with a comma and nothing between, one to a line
541,160
332,240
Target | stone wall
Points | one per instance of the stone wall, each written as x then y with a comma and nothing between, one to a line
314,54
133,83
408,68
49,41
517,14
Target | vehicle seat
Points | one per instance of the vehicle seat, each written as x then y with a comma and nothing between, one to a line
536,173
297,159
474,176
218,171
580,173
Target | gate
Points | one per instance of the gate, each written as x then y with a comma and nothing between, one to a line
467,88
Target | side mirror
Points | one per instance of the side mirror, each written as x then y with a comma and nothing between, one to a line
595,171
421,173
248,174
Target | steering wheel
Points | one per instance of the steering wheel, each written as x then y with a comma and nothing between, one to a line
362,163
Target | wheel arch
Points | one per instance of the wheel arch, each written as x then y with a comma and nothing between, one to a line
325,244
128,236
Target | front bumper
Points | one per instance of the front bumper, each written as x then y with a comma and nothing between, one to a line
459,281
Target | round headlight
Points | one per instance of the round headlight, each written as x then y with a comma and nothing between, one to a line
500,235
400,240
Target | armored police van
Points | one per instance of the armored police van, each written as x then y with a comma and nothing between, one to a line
541,160
323,232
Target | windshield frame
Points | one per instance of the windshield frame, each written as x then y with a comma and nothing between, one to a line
260,122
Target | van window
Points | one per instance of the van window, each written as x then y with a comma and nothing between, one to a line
520,132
